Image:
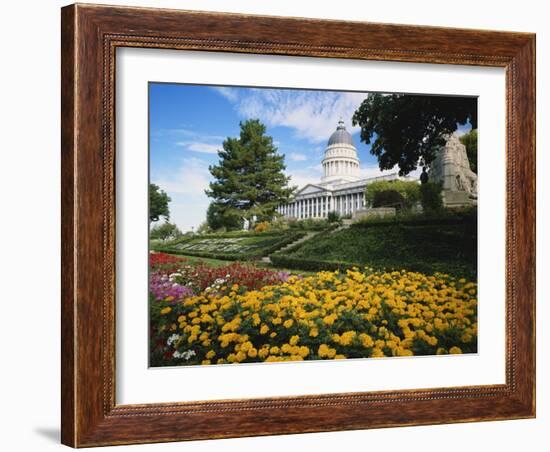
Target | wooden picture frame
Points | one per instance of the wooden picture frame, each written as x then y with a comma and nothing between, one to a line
90,36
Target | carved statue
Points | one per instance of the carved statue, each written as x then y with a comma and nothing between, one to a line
451,167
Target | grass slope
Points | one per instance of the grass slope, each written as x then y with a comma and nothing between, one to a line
447,248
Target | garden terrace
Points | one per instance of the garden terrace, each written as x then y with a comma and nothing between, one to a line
232,246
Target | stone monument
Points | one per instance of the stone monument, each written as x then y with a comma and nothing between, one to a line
451,168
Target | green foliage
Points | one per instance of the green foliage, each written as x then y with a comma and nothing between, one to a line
388,198
430,197
410,128
448,246
470,141
309,224
249,178
217,217
158,203
408,191
165,231
333,217
203,228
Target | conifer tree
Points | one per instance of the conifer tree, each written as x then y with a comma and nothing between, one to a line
249,180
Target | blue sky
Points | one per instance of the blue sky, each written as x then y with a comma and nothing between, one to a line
188,124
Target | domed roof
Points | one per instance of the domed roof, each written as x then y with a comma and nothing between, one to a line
340,136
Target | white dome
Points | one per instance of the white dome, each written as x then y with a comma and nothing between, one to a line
341,161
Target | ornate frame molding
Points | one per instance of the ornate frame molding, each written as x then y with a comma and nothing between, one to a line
90,37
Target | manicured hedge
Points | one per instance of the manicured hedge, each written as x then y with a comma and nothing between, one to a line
290,262
450,218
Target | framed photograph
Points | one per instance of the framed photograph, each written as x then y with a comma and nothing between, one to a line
281,225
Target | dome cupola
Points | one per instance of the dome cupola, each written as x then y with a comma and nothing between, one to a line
340,161
340,136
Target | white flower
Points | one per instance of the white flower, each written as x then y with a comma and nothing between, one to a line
184,355
172,339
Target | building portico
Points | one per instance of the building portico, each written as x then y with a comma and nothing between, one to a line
341,188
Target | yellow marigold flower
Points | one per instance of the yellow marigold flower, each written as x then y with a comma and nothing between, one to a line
288,323
206,361
347,338
210,354
294,340
181,319
255,319
165,310
303,351
339,357
252,353
314,332
329,319
377,353
366,340
274,350
455,350
263,352
273,334
264,329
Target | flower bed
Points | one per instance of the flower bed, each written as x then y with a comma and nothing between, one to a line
247,246
172,278
330,315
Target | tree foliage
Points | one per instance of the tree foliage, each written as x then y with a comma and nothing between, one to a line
408,130
470,141
158,203
249,181
165,231
408,193
219,218
430,198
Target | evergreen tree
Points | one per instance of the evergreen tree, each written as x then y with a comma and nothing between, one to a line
249,179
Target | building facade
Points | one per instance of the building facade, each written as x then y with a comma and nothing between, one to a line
341,188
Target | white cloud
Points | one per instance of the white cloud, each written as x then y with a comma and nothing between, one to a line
192,177
199,146
185,186
231,94
297,157
312,114
301,177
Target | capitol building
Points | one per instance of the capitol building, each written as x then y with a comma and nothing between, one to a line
341,188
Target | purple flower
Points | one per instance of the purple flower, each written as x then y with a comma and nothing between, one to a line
161,287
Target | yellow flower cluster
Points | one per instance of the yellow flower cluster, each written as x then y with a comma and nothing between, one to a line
329,315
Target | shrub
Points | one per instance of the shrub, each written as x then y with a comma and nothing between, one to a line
165,231
388,198
430,197
409,191
262,227
309,224
333,217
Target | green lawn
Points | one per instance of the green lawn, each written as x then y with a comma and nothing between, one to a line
447,248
